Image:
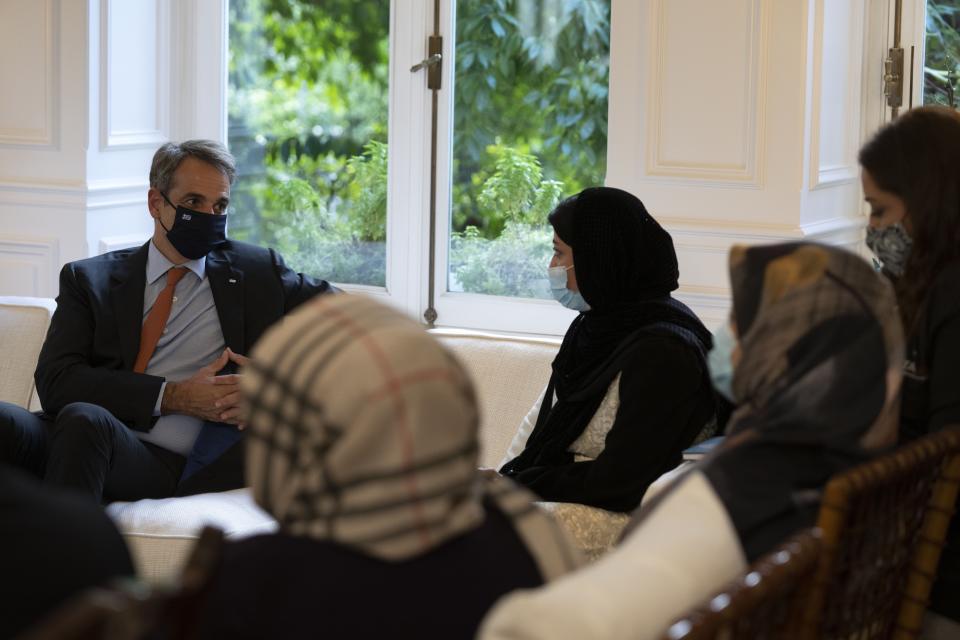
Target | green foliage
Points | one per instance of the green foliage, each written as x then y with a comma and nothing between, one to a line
319,243
544,63
942,63
368,192
516,191
307,111
308,124
515,264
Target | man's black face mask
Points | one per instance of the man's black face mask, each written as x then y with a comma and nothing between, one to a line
194,233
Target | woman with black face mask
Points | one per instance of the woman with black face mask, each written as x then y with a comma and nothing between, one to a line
629,388
911,179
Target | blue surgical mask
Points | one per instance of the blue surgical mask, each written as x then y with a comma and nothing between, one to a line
718,361
558,288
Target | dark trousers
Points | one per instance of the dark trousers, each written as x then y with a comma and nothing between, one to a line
86,449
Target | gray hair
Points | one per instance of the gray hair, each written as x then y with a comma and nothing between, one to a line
169,156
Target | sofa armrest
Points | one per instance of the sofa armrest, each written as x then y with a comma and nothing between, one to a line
23,328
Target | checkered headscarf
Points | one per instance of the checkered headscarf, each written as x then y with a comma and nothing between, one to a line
364,432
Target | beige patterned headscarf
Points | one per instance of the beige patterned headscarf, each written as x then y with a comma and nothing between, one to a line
364,433
818,385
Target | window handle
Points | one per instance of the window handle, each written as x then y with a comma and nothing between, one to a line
427,62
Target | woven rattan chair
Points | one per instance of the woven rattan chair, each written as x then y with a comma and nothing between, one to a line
132,611
881,527
760,604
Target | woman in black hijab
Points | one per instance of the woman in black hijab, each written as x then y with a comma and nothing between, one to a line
629,389
817,376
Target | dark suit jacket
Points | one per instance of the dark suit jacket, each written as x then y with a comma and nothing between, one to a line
94,334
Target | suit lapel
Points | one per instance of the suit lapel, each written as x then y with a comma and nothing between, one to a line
126,294
226,283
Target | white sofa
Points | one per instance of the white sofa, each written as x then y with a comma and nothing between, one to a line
509,374
23,326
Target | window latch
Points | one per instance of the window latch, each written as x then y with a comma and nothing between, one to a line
427,62
432,63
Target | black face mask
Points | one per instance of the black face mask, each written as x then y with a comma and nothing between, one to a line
194,233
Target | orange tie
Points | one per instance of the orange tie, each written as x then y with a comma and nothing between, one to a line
157,320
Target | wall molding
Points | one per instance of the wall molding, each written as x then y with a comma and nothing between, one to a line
34,260
822,176
114,243
746,173
110,194
111,138
48,136
835,175
759,232
96,195
58,194
841,232
710,242
712,307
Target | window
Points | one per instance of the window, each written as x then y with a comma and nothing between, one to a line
521,123
529,126
941,64
307,109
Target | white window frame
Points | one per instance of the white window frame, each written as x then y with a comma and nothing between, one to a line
913,33
202,112
472,310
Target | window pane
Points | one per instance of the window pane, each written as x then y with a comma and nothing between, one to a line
529,127
941,73
308,125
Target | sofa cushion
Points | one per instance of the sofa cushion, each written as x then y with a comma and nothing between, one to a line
161,533
509,374
23,327
594,531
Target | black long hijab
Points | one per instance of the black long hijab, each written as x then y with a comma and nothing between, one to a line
626,268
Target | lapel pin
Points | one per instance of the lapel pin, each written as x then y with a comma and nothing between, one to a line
232,281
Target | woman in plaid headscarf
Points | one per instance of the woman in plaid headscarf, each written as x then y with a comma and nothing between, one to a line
817,380
364,448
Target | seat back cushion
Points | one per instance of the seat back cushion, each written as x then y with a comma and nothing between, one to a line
23,327
509,374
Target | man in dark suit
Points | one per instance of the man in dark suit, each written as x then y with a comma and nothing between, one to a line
137,374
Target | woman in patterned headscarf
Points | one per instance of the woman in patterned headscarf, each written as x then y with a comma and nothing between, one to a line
817,381
364,448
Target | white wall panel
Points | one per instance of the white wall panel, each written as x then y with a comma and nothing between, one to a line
28,266
706,87
117,215
43,56
738,121
837,80
29,70
39,229
134,77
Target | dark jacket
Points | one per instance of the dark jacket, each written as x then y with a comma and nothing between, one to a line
931,401
283,586
54,546
92,343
